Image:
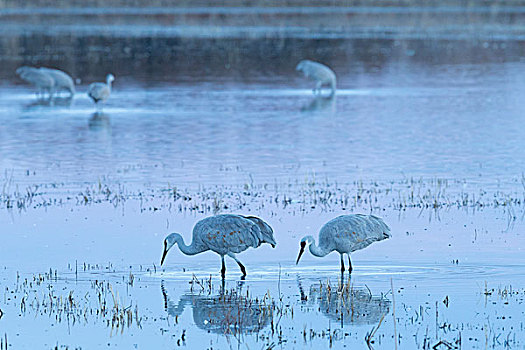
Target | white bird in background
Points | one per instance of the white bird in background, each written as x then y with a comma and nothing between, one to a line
346,234
43,81
62,80
47,79
319,72
100,92
224,234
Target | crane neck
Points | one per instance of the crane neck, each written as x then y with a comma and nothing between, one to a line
316,250
186,249
108,82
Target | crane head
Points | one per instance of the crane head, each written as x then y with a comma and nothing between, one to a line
168,243
110,78
303,66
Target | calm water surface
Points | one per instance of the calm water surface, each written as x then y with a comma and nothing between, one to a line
452,121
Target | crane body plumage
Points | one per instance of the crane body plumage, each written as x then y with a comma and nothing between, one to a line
47,79
320,73
226,234
346,234
41,80
62,80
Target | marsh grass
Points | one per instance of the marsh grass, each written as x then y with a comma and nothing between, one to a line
296,197
39,295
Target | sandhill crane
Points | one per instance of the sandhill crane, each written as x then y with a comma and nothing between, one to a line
100,92
42,80
224,234
62,80
346,234
319,72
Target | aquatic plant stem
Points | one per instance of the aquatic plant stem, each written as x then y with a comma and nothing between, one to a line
394,312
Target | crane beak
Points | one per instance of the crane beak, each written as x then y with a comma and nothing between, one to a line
303,244
163,255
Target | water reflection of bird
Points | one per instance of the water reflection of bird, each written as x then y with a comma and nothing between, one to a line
226,313
346,234
40,79
348,305
99,92
57,101
320,103
225,234
99,120
319,72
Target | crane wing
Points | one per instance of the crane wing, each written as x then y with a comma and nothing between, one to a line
266,230
228,233
354,232
62,79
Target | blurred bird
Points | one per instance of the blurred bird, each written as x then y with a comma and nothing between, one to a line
62,80
41,80
224,234
322,74
346,234
99,92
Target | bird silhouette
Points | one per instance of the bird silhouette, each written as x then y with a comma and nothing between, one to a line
318,72
225,234
99,92
62,80
346,234
43,81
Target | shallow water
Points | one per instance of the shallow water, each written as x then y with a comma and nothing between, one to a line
431,121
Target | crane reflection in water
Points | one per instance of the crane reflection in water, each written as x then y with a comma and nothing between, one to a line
346,304
230,312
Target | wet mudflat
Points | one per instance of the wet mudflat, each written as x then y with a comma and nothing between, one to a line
423,133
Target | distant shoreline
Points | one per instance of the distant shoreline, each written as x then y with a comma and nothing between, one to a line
83,36
404,20
253,3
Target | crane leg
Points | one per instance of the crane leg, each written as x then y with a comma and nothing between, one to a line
342,264
349,264
317,90
223,268
241,266
332,92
